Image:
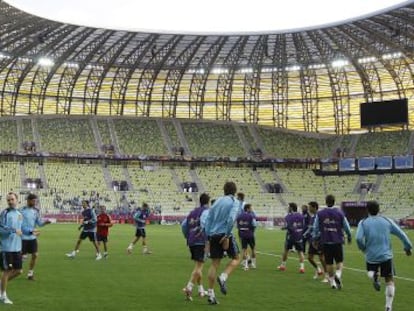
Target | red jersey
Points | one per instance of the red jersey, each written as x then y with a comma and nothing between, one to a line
103,229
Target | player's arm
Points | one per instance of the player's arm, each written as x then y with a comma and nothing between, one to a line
184,228
347,229
137,219
316,233
396,230
232,218
109,221
360,236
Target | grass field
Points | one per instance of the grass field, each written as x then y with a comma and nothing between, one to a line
154,282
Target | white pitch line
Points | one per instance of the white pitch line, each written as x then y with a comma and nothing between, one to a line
347,268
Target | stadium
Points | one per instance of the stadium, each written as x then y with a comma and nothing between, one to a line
122,117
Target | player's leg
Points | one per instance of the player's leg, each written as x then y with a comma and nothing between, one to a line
82,236
94,241
329,259
212,272
288,246
387,272
253,250
389,292
234,253
33,259
134,241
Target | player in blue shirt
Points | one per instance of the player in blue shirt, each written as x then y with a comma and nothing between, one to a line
11,244
219,224
374,239
294,237
140,217
193,230
314,248
31,220
88,227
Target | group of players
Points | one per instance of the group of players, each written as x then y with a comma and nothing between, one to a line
18,236
19,232
208,231
96,229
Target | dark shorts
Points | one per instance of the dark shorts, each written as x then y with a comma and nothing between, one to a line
29,246
386,268
333,253
90,235
314,251
289,244
11,261
197,252
248,242
217,251
102,238
140,232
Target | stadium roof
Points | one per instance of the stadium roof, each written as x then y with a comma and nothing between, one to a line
213,16
311,80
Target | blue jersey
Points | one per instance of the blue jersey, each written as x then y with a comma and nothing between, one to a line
193,226
89,220
10,221
140,217
373,238
31,219
222,215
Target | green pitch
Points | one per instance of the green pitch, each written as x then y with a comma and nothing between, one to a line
154,282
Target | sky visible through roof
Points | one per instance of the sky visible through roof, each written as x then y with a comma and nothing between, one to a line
204,17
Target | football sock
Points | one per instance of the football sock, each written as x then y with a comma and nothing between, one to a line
371,274
389,294
339,273
302,265
30,273
190,285
211,292
223,276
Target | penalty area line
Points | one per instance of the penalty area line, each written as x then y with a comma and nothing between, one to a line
346,268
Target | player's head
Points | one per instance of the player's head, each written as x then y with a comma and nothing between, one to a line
313,206
230,188
248,207
240,196
145,206
373,208
11,199
31,199
292,207
204,199
304,208
102,208
330,200
85,203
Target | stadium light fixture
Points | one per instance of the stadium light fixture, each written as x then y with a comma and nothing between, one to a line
71,65
293,68
365,60
219,70
45,62
392,55
339,63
